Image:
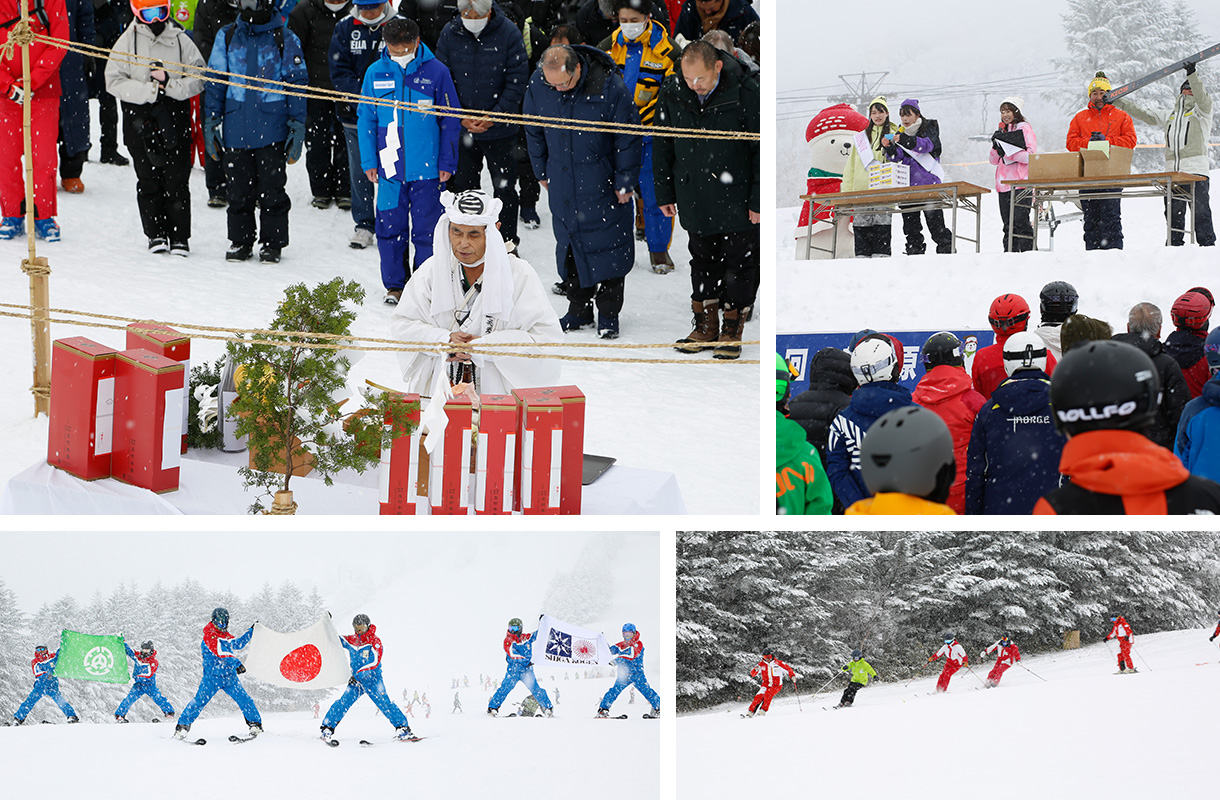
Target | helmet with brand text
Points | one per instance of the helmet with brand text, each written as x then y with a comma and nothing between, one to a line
1191,311
1024,350
1057,301
942,349
1104,385
874,359
1009,312
909,450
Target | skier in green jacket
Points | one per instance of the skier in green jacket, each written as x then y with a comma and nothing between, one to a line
860,671
801,485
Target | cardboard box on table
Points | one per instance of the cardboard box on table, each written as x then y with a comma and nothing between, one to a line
82,407
1104,162
1053,166
448,489
147,420
400,465
165,341
540,454
496,454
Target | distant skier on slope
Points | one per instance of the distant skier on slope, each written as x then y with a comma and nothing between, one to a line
630,663
770,672
364,652
955,658
220,671
1123,633
45,685
144,671
518,652
860,671
1216,633
1007,655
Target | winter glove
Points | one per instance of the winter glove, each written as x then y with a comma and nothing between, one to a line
1190,67
1097,136
906,140
296,140
995,145
213,139
16,94
241,668
1211,638
351,681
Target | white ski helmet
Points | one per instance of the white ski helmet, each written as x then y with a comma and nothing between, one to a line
1024,350
874,360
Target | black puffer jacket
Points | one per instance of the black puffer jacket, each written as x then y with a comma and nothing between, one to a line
314,24
831,383
1174,392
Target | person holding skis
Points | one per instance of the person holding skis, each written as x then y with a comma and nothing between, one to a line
1007,654
518,650
770,671
1011,146
220,670
364,652
955,658
45,685
630,664
1125,636
1101,122
860,671
144,671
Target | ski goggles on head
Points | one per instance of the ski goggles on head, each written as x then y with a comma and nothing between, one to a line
154,14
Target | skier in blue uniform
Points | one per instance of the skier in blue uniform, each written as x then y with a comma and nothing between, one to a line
364,651
519,650
630,663
220,670
45,685
144,670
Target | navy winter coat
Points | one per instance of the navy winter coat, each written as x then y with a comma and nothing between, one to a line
1198,442
1013,456
353,49
74,88
490,71
585,169
868,404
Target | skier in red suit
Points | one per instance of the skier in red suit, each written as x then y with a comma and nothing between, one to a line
1215,633
1122,632
955,658
770,671
1008,654
48,18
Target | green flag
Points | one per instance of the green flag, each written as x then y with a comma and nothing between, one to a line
92,658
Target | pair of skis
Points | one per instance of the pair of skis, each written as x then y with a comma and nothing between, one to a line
1163,72
234,739
332,742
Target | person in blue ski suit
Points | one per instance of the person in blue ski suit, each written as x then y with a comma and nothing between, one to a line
1198,439
408,154
519,650
220,670
630,663
45,685
364,651
144,671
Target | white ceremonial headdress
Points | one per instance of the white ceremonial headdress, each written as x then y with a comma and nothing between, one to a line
472,207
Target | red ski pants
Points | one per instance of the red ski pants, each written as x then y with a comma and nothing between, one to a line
942,684
44,131
1124,654
763,698
997,672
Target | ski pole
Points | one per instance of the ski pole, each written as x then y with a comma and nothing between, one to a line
798,697
824,685
917,675
1031,672
1142,661
975,674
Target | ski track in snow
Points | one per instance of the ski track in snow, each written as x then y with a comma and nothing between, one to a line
683,419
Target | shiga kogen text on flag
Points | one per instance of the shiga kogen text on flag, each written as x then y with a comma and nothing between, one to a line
562,644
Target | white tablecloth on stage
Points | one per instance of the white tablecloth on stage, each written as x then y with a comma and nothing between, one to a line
214,487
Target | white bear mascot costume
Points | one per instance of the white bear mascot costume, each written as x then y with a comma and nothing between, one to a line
831,137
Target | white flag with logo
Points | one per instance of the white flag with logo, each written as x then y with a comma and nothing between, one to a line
308,659
561,644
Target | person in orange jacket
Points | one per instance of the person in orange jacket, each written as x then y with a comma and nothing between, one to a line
1123,633
1007,655
1101,122
1104,393
947,390
770,672
955,658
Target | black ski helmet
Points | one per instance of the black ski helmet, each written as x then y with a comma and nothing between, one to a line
1057,301
360,619
1104,385
909,450
146,647
220,618
856,655
942,348
949,637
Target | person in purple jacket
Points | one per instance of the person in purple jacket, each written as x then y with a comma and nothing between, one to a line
917,145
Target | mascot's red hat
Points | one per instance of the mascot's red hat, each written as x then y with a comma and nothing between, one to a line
841,117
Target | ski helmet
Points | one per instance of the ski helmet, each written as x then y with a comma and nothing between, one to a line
150,11
874,360
1203,290
909,450
515,625
220,618
856,655
146,647
768,651
1191,311
860,336
360,619
1008,312
1211,350
942,348
1106,384
949,637
629,627
40,648
784,376
1057,301
1024,350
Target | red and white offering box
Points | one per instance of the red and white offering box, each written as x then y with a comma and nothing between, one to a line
147,420
399,471
573,400
541,452
496,454
165,341
82,407
449,483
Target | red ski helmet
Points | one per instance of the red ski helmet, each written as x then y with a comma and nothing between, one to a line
1009,313
1191,311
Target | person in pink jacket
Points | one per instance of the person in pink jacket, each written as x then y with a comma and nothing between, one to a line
955,658
947,389
1011,146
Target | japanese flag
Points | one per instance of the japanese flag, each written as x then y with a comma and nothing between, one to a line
562,644
308,659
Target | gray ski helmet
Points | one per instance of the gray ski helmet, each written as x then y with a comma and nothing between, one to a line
1057,301
1104,385
360,619
856,655
516,623
220,617
909,450
942,348
146,647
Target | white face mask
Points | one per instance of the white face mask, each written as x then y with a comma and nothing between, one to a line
336,6
632,30
402,61
475,26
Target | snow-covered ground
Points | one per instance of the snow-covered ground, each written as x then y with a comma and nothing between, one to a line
440,608
1082,732
687,420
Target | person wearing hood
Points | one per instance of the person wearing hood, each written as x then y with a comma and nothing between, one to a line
157,121
1012,166
364,652
1104,394
946,389
1191,314
700,16
801,486
1101,122
1187,127
1144,331
872,231
472,291
1198,434
831,383
408,154
260,132
1013,455
314,21
917,144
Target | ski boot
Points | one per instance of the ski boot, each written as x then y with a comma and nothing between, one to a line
255,729
18,721
548,712
121,719
493,712
73,719
181,731
12,227
603,713
47,229
327,733
654,714
169,715
747,715
404,734
762,712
